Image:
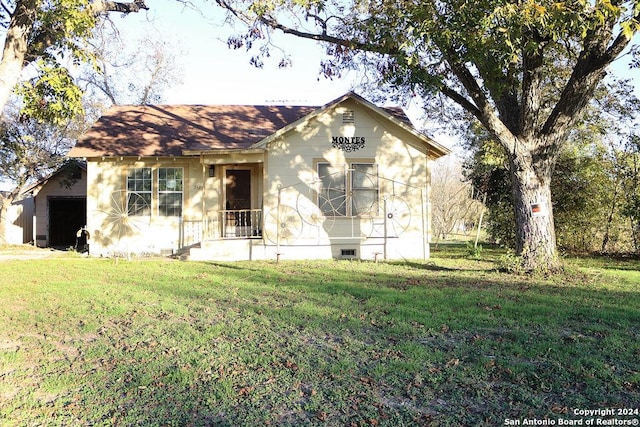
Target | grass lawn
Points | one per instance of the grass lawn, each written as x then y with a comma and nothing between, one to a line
447,342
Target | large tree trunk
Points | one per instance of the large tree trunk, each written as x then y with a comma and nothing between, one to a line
533,209
16,47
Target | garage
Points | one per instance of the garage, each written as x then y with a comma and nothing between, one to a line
66,216
60,205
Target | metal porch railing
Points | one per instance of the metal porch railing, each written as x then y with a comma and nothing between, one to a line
224,224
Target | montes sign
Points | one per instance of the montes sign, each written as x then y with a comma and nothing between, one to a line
348,143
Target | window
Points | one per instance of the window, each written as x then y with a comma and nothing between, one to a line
364,188
332,197
170,191
139,191
353,194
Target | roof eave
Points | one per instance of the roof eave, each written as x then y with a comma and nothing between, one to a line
250,150
435,150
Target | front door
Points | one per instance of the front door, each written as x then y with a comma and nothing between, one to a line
238,203
238,189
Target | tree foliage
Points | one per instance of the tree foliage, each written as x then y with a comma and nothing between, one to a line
43,40
594,178
494,60
31,150
631,171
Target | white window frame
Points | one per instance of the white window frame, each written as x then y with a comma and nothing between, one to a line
341,202
374,187
139,195
170,186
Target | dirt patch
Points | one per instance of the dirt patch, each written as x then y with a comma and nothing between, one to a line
28,252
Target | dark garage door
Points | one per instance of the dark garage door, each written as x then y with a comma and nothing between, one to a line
66,217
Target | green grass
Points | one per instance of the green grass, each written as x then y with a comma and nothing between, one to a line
451,341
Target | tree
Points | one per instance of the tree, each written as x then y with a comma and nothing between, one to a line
453,206
492,59
49,36
29,150
592,176
133,71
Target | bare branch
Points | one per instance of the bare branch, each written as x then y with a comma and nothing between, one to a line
100,7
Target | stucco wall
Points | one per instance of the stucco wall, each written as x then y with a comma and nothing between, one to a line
19,221
403,169
115,232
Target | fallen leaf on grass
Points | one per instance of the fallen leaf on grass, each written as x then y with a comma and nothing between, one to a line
366,380
245,390
291,365
490,307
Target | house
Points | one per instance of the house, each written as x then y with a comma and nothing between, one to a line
345,180
59,201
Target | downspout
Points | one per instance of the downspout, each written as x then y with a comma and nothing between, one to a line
427,221
203,218
425,224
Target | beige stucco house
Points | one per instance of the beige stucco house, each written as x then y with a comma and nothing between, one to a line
345,180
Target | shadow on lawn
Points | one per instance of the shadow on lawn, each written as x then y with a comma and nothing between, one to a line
267,352
430,266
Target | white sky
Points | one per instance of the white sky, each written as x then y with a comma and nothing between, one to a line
215,74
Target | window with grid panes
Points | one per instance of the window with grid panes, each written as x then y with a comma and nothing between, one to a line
139,186
170,188
364,189
332,195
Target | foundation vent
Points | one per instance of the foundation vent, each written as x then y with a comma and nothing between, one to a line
347,253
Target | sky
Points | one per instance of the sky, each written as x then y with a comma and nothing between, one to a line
215,74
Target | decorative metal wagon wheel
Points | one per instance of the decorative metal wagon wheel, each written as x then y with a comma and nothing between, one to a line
283,225
310,212
128,215
397,216
390,217
332,203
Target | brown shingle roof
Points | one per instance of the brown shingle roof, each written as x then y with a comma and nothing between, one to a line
168,130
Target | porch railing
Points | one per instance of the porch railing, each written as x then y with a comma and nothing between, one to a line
225,224
244,223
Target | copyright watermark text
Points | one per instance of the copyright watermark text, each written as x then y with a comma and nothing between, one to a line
584,417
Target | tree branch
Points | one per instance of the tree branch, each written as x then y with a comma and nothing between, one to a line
483,111
589,70
532,66
461,101
100,7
